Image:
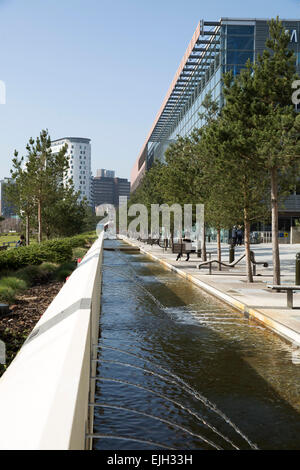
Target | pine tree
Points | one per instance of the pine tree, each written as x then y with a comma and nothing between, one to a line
238,183
18,193
274,73
46,172
39,181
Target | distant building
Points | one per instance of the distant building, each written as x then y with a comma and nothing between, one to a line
107,189
6,209
105,173
79,153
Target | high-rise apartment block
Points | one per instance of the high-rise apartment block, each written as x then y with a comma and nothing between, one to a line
79,153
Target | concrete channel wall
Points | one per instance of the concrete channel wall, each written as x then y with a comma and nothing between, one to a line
44,393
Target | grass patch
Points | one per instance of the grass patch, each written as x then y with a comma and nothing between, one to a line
9,238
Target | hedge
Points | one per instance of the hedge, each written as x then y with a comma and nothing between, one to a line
56,251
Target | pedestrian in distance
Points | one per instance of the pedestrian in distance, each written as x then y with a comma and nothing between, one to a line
240,236
234,236
21,242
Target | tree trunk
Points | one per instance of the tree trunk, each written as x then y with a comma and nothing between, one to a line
275,244
27,230
219,248
247,247
40,222
203,254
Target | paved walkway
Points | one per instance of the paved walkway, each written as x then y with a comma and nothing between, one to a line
231,284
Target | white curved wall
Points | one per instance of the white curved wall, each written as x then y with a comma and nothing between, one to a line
45,391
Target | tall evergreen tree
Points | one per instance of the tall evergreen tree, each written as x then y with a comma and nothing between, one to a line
238,182
46,171
276,123
209,115
42,193
19,193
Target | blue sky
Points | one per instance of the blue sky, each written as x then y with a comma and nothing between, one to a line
99,69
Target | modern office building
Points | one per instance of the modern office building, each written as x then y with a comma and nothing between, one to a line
216,47
108,189
79,153
6,208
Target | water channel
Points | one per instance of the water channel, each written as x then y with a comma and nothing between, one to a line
180,370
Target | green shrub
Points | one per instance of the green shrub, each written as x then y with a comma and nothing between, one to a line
64,271
48,267
30,274
62,275
55,251
14,283
79,252
7,294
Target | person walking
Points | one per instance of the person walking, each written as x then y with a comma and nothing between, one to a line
240,235
234,235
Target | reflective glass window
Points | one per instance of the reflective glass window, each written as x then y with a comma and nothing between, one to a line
238,57
240,42
234,68
240,29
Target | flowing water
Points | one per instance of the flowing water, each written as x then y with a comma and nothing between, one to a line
179,370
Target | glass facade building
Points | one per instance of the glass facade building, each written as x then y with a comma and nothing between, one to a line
216,47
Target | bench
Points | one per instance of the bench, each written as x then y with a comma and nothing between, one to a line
9,244
181,248
184,248
289,292
153,241
220,263
255,263
209,253
234,263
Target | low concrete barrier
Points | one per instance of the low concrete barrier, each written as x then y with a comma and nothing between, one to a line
44,393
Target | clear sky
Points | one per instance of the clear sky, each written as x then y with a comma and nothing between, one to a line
99,69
